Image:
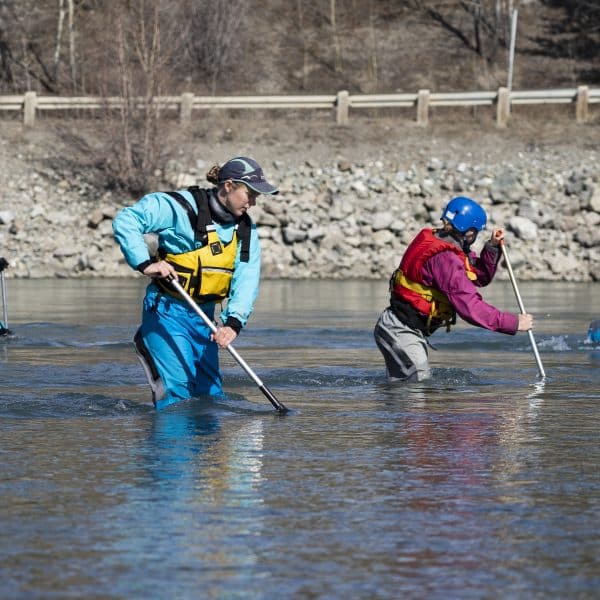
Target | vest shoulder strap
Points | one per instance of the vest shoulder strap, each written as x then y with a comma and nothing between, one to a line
244,230
203,216
200,219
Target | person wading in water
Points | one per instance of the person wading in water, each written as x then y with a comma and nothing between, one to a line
437,279
207,241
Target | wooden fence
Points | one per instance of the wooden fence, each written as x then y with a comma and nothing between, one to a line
30,104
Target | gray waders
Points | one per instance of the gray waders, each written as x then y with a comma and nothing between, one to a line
404,349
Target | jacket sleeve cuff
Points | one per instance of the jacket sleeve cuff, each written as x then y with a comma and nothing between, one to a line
143,265
234,324
494,251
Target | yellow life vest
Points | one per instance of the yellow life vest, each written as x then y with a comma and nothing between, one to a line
206,273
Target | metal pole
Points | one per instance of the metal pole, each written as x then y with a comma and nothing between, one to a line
4,307
511,55
263,388
522,309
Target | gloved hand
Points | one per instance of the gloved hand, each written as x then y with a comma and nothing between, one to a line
3,264
497,237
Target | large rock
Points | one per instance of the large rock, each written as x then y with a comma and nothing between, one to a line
506,188
523,228
382,220
594,200
6,217
587,237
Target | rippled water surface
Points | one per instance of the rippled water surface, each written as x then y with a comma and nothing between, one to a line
482,482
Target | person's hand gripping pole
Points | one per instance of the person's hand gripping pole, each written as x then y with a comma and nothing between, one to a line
279,406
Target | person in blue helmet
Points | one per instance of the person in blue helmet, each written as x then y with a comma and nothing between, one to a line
437,279
207,241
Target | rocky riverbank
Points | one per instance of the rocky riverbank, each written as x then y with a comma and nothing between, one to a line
344,211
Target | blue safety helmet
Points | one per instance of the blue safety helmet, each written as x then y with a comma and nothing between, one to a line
464,214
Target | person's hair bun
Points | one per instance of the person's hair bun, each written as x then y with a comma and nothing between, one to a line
213,175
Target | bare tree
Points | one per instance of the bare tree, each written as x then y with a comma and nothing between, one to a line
578,32
32,34
134,139
5,56
59,35
337,51
72,65
23,47
372,65
300,8
480,25
215,25
339,40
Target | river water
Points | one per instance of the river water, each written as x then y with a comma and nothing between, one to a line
482,482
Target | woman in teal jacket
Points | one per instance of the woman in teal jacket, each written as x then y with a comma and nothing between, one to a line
207,240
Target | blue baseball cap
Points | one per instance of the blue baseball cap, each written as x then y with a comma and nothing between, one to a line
247,171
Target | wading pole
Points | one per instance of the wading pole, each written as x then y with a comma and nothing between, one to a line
522,309
263,388
3,265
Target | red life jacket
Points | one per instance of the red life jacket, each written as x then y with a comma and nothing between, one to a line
407,281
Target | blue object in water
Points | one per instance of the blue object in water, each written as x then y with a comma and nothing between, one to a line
594,332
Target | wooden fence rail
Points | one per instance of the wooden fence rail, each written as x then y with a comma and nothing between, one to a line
30,104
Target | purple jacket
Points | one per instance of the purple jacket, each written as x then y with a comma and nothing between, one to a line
445,271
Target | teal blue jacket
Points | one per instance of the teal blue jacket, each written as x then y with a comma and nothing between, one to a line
159,213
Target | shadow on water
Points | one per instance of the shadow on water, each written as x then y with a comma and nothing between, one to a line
59,335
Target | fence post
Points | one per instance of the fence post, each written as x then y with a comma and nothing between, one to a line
185,111
29,104
423,108
581,108
342,104
503,107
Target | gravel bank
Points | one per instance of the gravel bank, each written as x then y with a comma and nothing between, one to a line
350,201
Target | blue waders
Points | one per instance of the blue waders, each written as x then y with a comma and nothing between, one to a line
183,362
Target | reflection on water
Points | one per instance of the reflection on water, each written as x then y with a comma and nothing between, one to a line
481,482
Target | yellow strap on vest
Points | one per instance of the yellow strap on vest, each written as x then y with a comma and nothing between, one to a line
470,273
440,306
426,292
